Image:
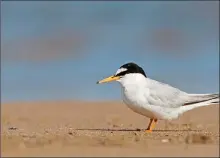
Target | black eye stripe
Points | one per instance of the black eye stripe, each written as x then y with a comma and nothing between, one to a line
122,73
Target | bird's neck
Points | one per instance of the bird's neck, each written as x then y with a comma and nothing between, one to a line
132,80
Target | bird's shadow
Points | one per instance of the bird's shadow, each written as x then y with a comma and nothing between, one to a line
133,130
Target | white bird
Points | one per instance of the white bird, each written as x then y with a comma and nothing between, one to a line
154,99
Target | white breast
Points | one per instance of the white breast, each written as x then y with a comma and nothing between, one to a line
134,98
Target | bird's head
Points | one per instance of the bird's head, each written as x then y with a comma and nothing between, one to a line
126,71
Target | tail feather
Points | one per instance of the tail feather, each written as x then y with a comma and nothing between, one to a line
203,98
199,100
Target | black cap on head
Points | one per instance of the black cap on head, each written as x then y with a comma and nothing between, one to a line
131,68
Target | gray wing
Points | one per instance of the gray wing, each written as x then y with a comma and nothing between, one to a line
164,95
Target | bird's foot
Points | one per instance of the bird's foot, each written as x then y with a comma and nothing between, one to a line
148,131
151,125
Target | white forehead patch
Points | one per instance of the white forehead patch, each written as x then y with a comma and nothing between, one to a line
120,70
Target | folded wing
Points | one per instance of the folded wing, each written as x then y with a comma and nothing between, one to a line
164,95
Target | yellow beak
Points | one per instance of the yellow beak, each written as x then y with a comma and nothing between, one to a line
109,79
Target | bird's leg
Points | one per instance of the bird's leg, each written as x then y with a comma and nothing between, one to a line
151,125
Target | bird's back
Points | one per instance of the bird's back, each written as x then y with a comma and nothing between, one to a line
161,94
164,95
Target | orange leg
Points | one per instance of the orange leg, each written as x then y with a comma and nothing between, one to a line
151,125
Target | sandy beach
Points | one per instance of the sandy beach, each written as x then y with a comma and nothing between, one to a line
71,128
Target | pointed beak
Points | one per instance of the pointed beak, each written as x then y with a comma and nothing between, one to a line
109,79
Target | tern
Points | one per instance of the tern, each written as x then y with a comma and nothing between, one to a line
153,99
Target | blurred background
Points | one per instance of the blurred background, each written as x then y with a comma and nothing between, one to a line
58,50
